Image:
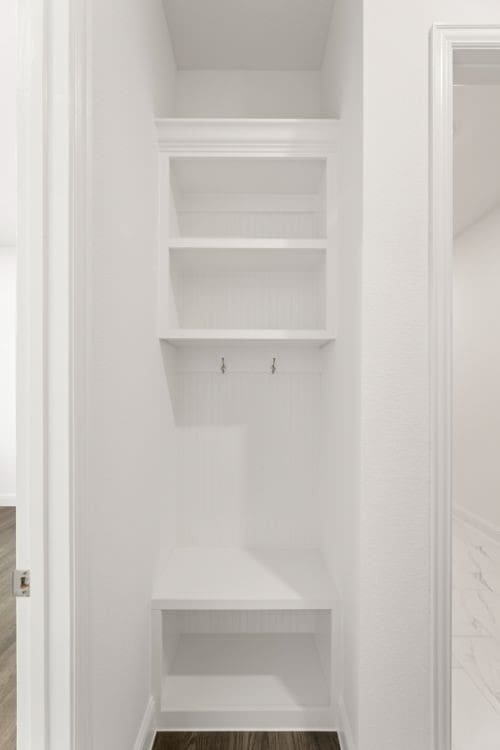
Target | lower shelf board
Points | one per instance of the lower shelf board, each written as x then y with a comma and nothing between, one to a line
245,671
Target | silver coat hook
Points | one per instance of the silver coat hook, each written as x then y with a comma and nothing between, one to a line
274,366
223,366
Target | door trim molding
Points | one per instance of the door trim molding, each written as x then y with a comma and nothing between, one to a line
31,533
53,229
81,284
446,39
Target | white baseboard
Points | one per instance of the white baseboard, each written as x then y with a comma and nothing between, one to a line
147,730
346,736
8,500
478,522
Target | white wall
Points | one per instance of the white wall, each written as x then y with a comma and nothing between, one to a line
8,138
395,616
476,177
342,96
476,370
8,232
7,375
248,93
394,686
129,456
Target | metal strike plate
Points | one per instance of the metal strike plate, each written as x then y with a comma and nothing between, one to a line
21,583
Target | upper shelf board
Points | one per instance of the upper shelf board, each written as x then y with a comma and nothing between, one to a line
247,137
199,254
219,578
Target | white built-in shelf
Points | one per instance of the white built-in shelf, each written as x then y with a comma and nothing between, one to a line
243,243
214,578
181,336
210,672
212,255
247,236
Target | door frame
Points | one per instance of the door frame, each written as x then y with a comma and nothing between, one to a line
445,40
53,232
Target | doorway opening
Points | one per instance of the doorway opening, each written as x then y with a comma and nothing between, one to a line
475,433
465,71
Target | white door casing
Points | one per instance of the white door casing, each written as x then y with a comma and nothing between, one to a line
52,236
446,39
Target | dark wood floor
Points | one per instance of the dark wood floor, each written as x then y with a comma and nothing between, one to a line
246,741
7,630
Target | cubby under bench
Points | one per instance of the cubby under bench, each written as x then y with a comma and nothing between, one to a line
243,638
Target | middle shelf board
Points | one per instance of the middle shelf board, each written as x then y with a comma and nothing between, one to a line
186,336
229,255
218,578
243,243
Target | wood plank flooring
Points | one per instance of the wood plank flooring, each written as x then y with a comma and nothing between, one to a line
246,741
7,630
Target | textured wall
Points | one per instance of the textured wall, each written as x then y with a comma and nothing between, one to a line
129,454
395,617
342,97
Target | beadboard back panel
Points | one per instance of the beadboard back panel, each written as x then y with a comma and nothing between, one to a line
251,224
250,299
248,198
248,621
248,454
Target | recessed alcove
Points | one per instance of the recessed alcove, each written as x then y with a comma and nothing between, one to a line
246,615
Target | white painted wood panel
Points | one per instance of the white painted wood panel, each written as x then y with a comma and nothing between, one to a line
229,197
256,621
248,459
189,336
258,224
239,298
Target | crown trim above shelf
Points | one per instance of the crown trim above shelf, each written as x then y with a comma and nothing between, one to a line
247,137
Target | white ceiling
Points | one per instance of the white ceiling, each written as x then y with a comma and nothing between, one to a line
477,153
249,34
